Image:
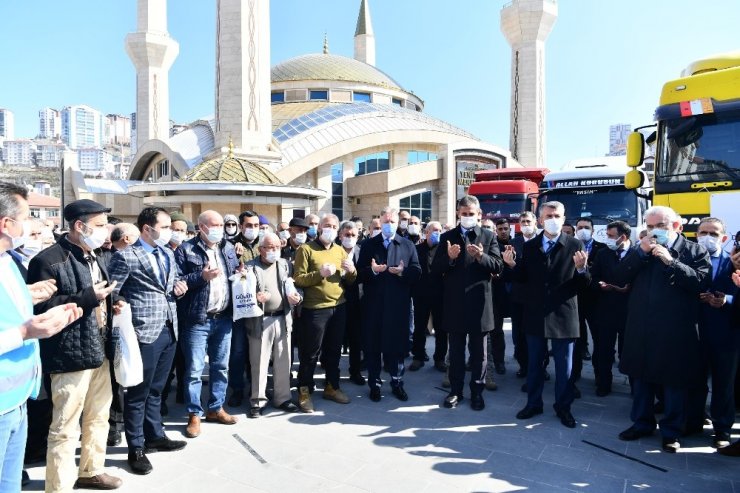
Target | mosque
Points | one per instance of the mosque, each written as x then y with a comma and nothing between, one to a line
318,132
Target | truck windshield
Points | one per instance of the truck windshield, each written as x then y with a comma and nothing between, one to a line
508,206
701,148
602,205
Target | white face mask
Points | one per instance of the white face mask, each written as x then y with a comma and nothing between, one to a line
468,222
271,256
21,239
528,230
374,233
414,229
284,234
250,234
230,230
261,233
177,238
164,237
32,247
711,243
300,238
96,239
584,234
349,242
554,226
404,224
215,235
328,235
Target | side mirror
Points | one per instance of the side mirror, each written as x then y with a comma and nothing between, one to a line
635,150
634,179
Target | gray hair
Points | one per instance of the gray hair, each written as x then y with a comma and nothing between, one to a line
271,235
552,204
432,224
10,206
389,210
714,220
468,201
347,225
329,215
528,214
664,211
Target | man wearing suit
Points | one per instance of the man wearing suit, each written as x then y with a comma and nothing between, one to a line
720,341
145,276
609,314
427,296
468,257
661,343
553,268
205,264
388,268
348,236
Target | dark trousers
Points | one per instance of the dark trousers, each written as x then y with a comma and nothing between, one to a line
177,370
498,343
394,362
353,336
115,418
585,321
722,366
322,331
238,357
518,336
477,348
562,354
423,308
142,403
643,413
603,354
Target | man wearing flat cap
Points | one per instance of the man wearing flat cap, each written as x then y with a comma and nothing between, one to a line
298,228
76,357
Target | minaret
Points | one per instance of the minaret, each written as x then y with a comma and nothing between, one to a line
526,25
152,51
364,36
243,107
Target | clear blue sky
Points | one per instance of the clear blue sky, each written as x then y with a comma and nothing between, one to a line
606,60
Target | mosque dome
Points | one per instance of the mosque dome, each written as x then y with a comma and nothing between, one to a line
231,169
325,66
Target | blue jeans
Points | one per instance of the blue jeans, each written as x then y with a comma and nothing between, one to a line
13,431
562,354
213,336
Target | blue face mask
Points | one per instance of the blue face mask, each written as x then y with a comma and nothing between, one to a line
661,235
312,231
387,229
434,237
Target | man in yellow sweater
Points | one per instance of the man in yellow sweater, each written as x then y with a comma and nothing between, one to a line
323,270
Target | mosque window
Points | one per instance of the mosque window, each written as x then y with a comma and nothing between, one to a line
163,168
410,105
318,95
362,97
372,163
337,190
421,156
398,102
419,205
277,97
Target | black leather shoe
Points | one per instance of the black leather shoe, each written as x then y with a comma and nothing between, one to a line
731,450
576,393
236,399
476,402
400,393
567,419
357,379
375,394
603,392
671,445
721,439
164,444
288,407
138,462
528,412
500,368
452,401
633,433
114,438
254,412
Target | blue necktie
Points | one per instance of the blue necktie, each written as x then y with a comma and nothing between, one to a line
162,274
550,244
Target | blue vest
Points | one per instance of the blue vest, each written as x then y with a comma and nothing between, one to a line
20,369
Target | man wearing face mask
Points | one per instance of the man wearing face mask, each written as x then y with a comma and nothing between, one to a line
609,311
388,268
313,226
324,270
76,358
230,226
283,232
298,235
661,343
720,341
179,228
31,244
353,293
404,219
205,263
427,296
374,229
146,277
246,242
467,259
414,230
552,269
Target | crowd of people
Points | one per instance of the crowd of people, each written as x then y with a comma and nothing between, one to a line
665,307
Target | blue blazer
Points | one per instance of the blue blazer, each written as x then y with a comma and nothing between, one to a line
715,324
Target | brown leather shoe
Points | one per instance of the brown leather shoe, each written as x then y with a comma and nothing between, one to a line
100,482
220,416
193,428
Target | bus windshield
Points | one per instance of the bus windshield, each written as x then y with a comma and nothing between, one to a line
602,205
701,148
509,206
